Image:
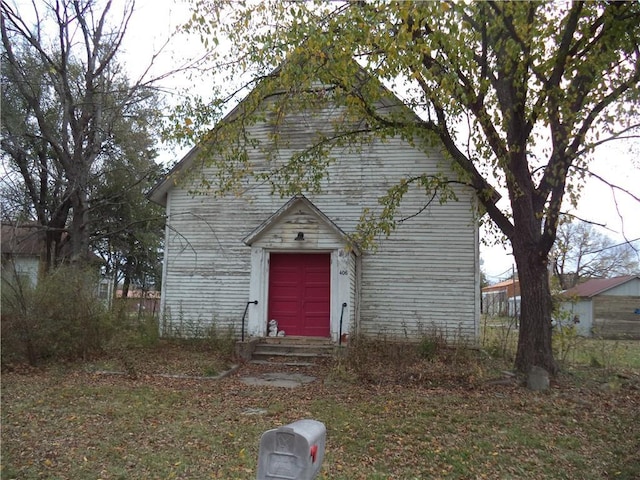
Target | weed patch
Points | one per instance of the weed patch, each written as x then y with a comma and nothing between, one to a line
430,361
60,318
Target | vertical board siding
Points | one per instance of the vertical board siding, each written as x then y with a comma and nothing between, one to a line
421,279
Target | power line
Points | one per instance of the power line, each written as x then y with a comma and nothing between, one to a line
508,272
628,242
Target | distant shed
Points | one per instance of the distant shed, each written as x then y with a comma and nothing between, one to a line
607,307
501,298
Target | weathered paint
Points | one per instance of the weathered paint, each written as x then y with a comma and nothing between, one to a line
422,279
615,316
580,314
24,267
630,288
278,234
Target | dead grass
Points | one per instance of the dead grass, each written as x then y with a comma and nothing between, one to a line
436,417
179,358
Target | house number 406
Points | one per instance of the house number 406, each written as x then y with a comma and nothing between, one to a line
343,272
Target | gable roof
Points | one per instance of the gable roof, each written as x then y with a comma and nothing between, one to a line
158,192
282,212
29,240
501,285
595,286
25,239
388,100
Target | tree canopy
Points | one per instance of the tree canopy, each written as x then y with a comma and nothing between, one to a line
78,136
517,93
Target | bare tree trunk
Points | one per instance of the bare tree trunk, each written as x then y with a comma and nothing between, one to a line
534,339
125,286
126,283
79,233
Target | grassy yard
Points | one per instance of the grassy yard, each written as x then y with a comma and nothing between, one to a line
442,417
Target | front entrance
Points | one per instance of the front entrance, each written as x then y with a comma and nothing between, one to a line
300,293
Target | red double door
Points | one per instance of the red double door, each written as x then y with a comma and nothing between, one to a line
300,293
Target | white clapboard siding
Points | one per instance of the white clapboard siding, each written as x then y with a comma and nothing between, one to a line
422,279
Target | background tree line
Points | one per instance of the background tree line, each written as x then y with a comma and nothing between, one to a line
582,252
79,138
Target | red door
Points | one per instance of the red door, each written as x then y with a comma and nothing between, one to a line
299,293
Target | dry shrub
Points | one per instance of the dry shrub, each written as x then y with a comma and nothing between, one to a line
430,361
61,318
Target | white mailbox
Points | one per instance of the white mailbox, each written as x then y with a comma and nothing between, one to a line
292,452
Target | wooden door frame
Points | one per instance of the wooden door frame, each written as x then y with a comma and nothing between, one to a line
342,274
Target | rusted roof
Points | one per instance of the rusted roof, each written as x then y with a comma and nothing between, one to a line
500,285
595,286
26,239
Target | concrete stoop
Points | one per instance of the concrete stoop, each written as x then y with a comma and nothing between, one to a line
292,351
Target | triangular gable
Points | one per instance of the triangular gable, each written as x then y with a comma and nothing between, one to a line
158,193
295,203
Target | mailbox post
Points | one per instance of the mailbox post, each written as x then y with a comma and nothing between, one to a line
292,452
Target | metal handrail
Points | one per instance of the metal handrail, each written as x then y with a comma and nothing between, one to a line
244,315
344,305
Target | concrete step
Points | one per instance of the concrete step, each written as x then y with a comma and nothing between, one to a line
302,350
292,349
285,363
294,340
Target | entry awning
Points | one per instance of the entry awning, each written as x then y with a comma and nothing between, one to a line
296,202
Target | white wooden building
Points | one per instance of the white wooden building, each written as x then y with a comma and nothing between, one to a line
292,257
21,247
22,251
